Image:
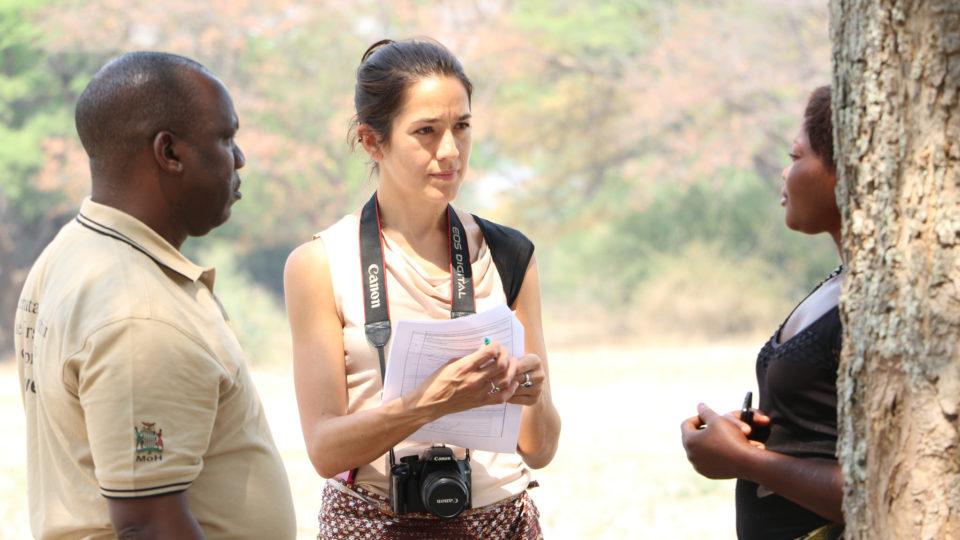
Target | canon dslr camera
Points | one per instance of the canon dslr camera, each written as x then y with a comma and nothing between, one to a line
435,482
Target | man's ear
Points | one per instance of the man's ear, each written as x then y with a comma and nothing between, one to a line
165,153
371,142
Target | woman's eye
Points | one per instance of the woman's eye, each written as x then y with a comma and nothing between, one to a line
793,156
424,130
463,125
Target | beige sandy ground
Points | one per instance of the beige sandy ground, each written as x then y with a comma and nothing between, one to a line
620,471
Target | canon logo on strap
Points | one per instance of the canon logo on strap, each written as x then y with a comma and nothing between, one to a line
373,278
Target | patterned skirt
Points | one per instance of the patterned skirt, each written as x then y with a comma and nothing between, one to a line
355,513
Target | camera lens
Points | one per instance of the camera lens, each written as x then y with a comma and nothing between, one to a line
444,494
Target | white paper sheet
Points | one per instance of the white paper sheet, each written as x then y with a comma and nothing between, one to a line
419,348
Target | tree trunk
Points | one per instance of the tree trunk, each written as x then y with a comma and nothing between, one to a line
897,132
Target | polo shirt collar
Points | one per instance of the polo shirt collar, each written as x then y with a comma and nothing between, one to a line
123,227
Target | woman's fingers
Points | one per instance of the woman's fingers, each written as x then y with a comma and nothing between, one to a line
529,373
760,419
535,377
497,377
508,384
690,426
498,368
481,357
487,375
734,416
530,362
529,386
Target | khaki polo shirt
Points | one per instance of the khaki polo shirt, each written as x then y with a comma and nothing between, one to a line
134,385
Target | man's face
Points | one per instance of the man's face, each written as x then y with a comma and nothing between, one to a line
210,183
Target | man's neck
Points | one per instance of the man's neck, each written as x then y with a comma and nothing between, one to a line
135,198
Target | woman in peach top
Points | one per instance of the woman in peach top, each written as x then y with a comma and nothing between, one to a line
413,119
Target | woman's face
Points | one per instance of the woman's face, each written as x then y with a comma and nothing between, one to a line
808,191
428,148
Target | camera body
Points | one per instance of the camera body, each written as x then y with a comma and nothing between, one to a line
435,482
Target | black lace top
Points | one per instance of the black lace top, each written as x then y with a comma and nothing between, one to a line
798,390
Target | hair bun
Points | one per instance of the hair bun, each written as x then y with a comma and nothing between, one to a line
374,48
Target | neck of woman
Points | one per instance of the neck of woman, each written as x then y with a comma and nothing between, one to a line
835,235
411,219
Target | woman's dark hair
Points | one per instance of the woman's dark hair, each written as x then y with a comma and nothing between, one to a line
818,125
387,70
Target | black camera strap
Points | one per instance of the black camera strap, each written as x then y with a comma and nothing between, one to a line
373,275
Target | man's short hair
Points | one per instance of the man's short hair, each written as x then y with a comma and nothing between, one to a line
132,98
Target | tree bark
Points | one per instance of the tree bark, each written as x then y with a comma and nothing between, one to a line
897,133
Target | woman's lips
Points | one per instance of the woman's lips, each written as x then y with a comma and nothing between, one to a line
446,175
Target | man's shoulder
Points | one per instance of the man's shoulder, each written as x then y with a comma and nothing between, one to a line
93,271
84,281
78,255
152,336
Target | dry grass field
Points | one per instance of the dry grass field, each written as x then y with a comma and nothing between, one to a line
620,471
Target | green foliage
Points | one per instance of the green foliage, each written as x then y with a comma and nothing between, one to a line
702,291
715,254
605,29
22,81
640,140
738,211
37,92
255,315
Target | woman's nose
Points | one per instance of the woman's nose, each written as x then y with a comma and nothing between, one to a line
448,147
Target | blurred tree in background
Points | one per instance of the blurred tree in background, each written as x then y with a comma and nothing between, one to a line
639,143
42,169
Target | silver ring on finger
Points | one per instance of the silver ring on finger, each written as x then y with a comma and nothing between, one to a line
527,383
494,388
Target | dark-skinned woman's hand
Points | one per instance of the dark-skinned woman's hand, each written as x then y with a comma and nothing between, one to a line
717,446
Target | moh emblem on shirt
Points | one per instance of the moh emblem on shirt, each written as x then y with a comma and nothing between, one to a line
149,442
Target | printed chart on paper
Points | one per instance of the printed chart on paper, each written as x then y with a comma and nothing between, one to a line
420,348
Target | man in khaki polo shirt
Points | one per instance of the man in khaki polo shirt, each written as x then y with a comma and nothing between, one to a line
142,419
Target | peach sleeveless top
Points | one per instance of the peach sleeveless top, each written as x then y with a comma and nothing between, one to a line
413,295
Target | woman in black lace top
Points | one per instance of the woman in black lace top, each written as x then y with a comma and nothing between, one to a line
789,483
